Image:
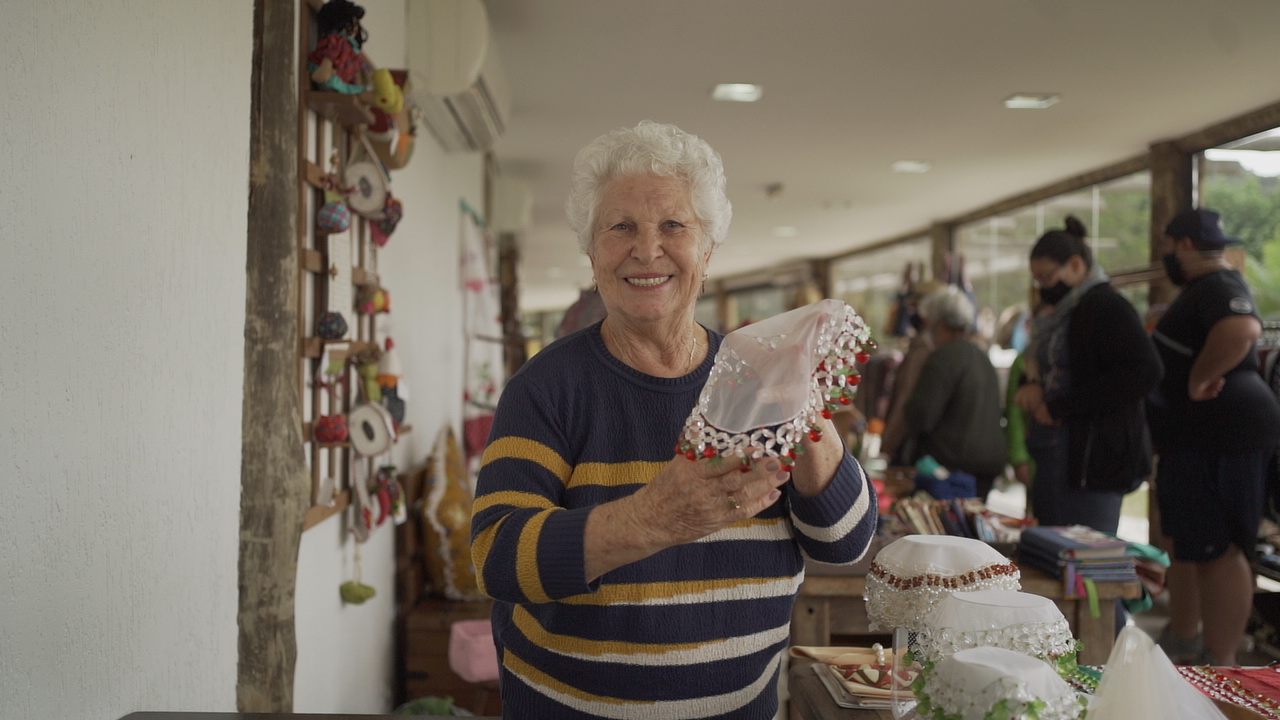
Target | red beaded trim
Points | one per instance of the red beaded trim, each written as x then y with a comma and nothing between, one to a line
1220,687
949,582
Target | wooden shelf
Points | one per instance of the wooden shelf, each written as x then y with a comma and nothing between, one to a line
360,276
313,174
312,261
344,109
319,513
313,347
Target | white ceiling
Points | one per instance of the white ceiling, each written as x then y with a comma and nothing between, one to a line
850,86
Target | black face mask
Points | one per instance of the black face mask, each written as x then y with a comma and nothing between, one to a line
1054,293
1173,268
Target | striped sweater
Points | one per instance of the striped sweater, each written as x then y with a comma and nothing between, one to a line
694,631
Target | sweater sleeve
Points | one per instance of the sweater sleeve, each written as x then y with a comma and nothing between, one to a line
836,525
527,548
1015,419
1120,364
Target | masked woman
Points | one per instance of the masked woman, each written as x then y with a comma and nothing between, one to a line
1090,366
628,584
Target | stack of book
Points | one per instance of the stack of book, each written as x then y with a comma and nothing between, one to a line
1076,553
963,518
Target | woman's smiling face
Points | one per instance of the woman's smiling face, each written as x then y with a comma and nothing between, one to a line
647,249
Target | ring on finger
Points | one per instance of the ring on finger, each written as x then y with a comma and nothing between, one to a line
733,502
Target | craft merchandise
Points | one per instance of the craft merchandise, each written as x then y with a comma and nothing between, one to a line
1017,621
330,429
333,217
773,379
372,429
337,63
910,576
331,326
991,683
372,299
367,181
392,212
1141,684
446,510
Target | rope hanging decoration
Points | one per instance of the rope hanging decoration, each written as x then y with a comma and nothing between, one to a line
773,379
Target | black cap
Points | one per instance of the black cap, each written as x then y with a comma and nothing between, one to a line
1200,224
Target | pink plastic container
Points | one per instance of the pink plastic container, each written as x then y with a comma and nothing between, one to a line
471,652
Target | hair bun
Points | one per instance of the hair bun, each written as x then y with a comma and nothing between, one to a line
1075,227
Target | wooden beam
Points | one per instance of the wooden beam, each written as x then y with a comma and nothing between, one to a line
273,471
312,261
1171,192
942,241
1242,126
1084,180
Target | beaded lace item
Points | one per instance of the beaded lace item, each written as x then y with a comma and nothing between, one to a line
773,379
1017,621
989,683
911,575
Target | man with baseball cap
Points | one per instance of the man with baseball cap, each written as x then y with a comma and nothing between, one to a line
1215,425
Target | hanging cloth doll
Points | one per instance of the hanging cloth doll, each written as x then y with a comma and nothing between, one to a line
337,63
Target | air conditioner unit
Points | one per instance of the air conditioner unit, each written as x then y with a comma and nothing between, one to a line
463,93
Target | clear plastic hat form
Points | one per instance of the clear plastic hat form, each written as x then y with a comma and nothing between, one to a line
970,684
1017,621
1140,683
773,379
911,576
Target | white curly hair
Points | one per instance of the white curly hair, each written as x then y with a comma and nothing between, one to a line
656,149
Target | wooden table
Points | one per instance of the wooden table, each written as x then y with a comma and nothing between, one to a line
811,701
833,605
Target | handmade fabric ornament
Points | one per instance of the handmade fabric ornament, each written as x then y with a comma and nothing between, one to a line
389,369
333,217
911,576
371,299
372,431
446,511
367,181
986,683
337,63
381,229
331,326
1018,621
773,379
331,429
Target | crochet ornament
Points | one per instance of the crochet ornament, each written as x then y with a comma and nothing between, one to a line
771,382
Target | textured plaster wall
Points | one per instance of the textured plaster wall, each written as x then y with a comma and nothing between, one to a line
124,143
346,653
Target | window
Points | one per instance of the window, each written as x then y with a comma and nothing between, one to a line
870,281
1241,180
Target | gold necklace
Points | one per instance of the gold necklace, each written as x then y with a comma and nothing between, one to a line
692,342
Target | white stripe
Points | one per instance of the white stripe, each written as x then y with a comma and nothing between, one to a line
734,647
666,709
746,591
842,527
755,531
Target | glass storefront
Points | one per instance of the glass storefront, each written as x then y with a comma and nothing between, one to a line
996,249
870,281
1241,180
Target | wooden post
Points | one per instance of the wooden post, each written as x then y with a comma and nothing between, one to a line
514,353
273,472
1171,188
943,239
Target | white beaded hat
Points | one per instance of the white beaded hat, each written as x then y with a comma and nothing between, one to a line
911,575
971,683
1018,621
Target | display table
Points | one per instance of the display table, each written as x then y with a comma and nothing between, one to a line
263,716
811,701
832,604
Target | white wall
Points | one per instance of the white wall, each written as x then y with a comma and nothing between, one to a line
124,143
346,653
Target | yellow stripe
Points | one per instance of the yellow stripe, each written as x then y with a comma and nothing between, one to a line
514,498
614,474
639,593
525,449
537,677
527,559
480,549
563,644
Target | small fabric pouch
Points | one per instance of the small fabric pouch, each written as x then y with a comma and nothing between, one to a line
333,217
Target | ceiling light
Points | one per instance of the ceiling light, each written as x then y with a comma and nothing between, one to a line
785,231
737,92
912,166
1030,101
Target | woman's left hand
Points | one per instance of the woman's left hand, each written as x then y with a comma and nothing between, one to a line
817,465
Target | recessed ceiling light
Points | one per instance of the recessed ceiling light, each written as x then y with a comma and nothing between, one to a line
737,92
1030,101
785,231
912,166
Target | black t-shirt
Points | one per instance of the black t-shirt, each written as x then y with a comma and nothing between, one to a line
1245,415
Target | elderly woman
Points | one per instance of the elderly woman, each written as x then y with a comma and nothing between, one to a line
954,413
628,583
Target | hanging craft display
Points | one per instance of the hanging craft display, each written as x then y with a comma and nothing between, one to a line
331,326
333,217
393,134
371,299
773,379
367,182
382,228
446,510
337,63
